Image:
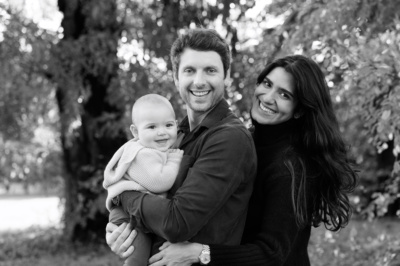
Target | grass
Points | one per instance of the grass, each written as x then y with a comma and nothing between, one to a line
44,247
360,243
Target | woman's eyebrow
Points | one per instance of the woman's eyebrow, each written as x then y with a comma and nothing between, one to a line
269,81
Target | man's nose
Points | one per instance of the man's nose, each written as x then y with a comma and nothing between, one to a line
199,79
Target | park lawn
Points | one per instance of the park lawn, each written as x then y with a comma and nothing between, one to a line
361,243
375,243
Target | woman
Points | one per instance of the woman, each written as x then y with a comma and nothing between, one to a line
303,172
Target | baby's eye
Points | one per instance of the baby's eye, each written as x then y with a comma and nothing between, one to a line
152,127
170,125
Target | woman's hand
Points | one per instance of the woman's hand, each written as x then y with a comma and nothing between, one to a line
180,254
120,239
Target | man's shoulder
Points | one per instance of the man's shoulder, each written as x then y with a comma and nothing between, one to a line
232,128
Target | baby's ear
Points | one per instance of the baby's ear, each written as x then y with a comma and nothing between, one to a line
134,131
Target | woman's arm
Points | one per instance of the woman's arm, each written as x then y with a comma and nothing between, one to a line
120,239
271,244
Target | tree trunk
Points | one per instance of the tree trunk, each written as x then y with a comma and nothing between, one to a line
87,55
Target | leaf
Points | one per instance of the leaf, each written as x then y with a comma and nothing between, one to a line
386,114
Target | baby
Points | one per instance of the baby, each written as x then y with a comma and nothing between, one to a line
145,163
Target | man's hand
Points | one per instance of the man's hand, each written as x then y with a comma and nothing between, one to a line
120,239
179,254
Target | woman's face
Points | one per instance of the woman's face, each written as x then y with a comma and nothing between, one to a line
274,99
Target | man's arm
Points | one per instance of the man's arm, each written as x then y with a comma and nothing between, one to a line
214,177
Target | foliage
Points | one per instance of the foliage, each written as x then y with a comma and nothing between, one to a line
28,144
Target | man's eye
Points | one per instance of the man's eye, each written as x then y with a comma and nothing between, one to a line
188,70
212,70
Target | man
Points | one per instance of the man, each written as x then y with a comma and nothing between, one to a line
208,202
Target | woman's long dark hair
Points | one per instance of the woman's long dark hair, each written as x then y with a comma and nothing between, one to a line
320,144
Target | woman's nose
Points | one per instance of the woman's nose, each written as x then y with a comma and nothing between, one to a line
268,96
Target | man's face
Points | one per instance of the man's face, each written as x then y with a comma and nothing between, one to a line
200,80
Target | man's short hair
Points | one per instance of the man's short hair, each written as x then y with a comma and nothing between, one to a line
200,39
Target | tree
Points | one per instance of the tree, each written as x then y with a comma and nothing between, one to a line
85,69
26,106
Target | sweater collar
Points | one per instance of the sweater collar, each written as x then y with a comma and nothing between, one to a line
266,135
220,111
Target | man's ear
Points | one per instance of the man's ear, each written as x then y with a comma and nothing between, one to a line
134,131
228,81
176,81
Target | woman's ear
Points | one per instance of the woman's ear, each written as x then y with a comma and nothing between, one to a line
134,131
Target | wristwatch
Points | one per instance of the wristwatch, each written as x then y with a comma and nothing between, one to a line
205,257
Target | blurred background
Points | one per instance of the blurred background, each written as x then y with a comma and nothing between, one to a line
70,71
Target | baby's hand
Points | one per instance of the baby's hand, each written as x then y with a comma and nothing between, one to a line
178,151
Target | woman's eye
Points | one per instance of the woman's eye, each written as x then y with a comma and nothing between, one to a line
267,83
285,96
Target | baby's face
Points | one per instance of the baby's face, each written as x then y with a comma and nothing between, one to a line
156,127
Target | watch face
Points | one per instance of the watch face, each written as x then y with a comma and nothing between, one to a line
205,258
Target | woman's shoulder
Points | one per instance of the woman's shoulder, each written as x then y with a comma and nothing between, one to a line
287,162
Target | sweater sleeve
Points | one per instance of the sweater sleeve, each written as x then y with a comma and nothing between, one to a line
155,170
272,244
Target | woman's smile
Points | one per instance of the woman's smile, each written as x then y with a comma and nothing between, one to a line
267,109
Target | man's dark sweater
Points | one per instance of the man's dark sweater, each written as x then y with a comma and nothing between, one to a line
271,235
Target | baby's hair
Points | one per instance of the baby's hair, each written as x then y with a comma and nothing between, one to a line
150,99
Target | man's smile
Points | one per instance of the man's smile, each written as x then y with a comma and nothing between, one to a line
200,93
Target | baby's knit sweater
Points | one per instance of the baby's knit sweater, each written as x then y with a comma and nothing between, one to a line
135,167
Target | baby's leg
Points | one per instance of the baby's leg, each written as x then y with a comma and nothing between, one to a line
142,242
141,254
